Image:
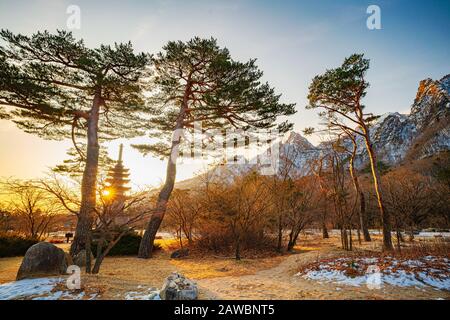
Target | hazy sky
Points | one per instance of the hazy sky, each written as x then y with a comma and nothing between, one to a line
292,40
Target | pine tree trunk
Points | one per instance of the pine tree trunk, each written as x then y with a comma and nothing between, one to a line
146,245
88,251
89,181
385,221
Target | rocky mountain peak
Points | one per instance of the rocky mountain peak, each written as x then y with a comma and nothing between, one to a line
431,102
297,139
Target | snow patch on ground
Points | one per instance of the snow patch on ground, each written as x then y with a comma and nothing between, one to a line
51,289
28,287
40,289
426,234
406,273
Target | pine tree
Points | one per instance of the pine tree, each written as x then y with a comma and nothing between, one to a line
338,92
54,86
197,81
73,166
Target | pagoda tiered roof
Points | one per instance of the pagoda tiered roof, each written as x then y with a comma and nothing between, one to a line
117,179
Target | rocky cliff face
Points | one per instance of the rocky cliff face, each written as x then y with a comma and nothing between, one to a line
422,133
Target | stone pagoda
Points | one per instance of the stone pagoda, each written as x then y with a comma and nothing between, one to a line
117,181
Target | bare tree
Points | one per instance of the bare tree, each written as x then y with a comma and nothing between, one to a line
65,192
409,197
243,205
300,198
359,194
33,206
340,200
5,219
113,221
184,210
281,188
319,170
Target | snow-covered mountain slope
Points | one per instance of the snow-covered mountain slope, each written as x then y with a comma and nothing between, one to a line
396,137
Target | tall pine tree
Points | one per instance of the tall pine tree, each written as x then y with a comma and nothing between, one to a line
339,93
197,81
54,86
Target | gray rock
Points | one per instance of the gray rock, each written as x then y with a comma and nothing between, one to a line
180,253
41,260
177,287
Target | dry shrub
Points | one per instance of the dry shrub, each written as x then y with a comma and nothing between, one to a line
437,248
216,238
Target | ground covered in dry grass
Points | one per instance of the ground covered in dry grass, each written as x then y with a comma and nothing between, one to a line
221,277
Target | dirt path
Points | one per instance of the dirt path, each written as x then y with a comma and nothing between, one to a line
225,278
280,282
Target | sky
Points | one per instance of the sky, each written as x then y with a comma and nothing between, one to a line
292,40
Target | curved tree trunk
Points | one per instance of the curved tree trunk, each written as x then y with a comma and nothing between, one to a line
89,181
146,246
101,255
293,236
385,221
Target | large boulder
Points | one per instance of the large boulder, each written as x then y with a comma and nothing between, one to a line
80,258
41,260
177,287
